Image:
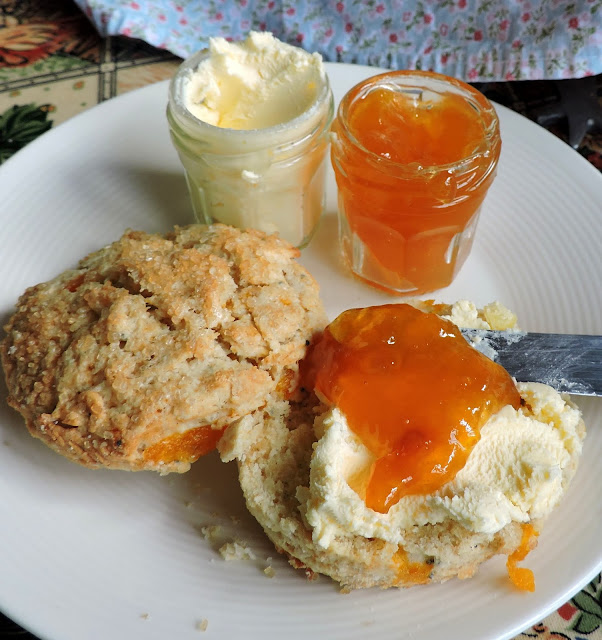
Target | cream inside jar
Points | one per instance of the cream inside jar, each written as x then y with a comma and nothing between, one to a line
250,121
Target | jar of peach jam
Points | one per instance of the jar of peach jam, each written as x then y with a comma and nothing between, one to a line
414,154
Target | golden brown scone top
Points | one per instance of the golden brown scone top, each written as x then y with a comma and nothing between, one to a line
156,335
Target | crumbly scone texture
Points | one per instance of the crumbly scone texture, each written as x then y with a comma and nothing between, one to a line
275,462
155,335
273,449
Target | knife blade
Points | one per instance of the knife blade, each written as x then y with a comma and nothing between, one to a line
568,363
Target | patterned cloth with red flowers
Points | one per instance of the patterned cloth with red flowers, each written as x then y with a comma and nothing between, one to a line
476,40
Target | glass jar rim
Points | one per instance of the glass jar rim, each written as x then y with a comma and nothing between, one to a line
176,104
486,112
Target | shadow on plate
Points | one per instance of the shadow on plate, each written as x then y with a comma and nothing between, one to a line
164,193
325,245
126,195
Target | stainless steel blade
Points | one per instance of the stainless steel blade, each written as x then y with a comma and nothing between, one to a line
568,363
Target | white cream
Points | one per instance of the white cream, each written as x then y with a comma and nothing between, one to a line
519,469
260,82
465,313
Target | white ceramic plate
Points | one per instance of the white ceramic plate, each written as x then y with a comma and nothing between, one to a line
93,554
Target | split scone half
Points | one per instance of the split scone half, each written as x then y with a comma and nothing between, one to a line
142,355
298,462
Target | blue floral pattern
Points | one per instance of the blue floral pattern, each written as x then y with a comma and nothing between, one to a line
476,40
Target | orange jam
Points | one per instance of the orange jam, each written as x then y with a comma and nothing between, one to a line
410,572
429,133
412,389
184,447
414,154
521,577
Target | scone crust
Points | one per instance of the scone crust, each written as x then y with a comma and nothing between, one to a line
154,335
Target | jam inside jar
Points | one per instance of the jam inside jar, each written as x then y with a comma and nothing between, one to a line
414,154
413,390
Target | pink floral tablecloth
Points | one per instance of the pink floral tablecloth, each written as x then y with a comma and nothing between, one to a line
476,40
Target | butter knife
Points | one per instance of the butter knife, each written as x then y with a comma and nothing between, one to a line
568,363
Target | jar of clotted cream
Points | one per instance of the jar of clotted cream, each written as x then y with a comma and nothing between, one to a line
414,154
250,122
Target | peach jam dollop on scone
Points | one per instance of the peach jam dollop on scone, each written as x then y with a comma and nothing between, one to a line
417,459
141,356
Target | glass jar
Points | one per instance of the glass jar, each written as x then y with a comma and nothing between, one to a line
414,154
271,179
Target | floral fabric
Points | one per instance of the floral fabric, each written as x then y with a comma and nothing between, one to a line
476,40
53,65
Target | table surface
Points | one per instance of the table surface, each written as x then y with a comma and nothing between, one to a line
54,65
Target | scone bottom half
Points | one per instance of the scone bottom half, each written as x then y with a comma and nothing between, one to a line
145,353
295,475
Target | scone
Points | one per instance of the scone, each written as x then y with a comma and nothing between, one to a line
298,461
140,357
